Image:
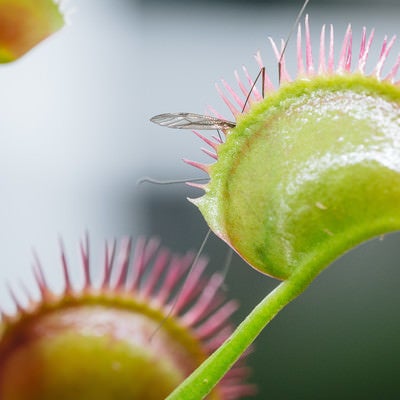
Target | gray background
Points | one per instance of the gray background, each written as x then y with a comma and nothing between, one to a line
75,137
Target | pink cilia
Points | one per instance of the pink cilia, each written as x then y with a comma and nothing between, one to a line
306,69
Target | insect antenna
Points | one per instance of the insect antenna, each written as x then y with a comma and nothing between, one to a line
227,266
299,15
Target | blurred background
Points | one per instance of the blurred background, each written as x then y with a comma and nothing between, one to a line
75,137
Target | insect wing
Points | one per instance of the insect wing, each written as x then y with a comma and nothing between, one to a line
191,121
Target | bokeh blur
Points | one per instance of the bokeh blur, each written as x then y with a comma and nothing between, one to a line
75,137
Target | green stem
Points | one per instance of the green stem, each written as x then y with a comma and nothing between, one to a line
204,378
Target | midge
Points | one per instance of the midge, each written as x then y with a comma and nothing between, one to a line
186,120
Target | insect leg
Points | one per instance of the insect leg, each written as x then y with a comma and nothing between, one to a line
147,179
186,280
261,74
299,15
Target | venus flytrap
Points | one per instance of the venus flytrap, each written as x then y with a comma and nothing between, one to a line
25,23
111,339
305,174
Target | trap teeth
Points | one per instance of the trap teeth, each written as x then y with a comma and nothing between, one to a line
113,340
